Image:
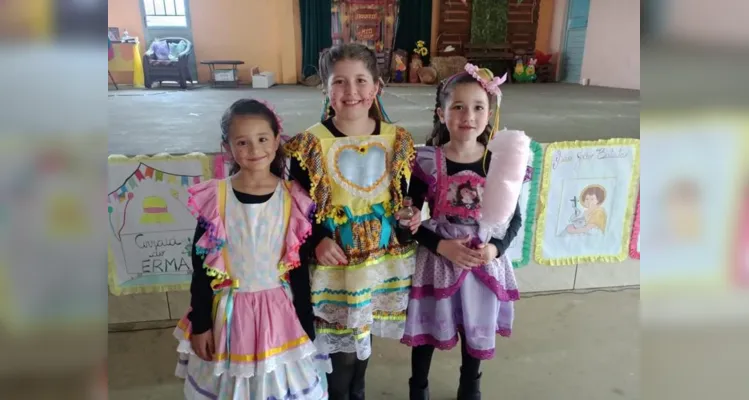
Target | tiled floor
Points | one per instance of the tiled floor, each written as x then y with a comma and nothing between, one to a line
566,346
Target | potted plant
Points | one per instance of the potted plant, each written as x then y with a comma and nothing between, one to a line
416,63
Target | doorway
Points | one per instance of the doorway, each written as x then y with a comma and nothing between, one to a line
168,18
574,42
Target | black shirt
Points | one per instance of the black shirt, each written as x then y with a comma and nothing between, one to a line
419,189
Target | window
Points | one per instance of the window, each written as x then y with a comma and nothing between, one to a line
169,13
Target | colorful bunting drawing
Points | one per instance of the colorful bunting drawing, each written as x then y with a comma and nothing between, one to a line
151,225
154,208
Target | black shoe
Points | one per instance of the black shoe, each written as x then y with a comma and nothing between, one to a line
418,392
470,388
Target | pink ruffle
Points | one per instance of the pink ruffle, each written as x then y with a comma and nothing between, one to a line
419,292
203,203
426,339
299,225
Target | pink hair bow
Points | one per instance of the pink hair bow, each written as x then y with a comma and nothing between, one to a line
492,86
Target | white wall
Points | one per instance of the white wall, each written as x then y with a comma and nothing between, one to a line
612,44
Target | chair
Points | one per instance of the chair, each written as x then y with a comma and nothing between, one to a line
167,60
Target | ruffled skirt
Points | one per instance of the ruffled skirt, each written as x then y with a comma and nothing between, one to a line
352,303
261,352
446,300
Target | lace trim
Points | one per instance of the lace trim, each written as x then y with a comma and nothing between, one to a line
361,344
355,278
330,343
256,368
303,381
387,306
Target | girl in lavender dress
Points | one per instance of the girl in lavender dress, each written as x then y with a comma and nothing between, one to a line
464,285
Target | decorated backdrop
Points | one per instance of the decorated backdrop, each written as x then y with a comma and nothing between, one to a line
151,227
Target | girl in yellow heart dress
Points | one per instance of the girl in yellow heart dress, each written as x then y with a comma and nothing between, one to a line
356,166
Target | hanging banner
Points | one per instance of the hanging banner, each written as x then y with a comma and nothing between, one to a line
587,200
151,226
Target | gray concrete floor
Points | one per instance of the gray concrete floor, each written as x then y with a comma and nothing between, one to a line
177,121
565,346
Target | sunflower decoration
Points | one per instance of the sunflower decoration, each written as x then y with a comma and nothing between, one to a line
339,215
420,49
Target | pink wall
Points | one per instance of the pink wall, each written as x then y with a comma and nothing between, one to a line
612,44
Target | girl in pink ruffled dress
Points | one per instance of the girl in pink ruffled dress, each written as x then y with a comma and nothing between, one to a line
464,286
241,338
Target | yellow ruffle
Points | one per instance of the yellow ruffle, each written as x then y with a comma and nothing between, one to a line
305,148
403,156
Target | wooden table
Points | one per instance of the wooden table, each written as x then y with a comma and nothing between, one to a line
212,67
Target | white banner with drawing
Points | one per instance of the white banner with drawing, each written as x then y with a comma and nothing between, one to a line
151,227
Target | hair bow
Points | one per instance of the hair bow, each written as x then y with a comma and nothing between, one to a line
491,86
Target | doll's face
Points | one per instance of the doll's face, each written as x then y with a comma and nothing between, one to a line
590,201
467,194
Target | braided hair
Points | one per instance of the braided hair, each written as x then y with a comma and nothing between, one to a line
440,134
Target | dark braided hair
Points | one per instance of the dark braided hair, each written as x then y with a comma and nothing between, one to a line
440,135
252,107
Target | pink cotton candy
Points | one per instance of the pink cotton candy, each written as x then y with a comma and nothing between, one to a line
510,153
